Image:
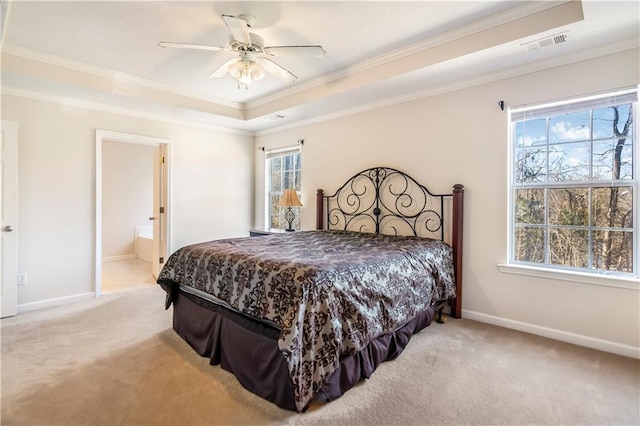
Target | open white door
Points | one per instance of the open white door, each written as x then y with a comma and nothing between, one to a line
159,247
9,218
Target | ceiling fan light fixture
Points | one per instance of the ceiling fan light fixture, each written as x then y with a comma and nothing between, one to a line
245,76
235,69
246,72
257,72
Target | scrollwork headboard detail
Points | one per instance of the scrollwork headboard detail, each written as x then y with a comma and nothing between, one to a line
384,200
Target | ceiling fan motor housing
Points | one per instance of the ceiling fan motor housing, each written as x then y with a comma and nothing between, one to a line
256,45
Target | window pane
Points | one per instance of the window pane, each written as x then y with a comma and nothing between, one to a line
569,206
603,121
276,182
275,211
612,159
531,132
531,165
603,160
569,127
288,179
626,162
529,244
296,160
296,220
530,206
613,251
276,164
569,247
569,162
613,207
291,172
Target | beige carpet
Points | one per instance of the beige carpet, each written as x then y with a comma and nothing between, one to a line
116,361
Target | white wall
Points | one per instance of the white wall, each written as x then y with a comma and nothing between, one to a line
461,137
211,189
127,195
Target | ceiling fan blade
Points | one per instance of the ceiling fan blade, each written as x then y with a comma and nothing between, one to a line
191,46
277,70
223,69
309,51
238,28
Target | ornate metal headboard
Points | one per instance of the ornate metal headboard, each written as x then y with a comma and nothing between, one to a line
383,200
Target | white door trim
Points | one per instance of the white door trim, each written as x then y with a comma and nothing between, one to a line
102,135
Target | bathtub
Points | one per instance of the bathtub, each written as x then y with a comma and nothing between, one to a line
144,242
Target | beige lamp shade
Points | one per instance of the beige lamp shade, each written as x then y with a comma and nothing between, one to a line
289,198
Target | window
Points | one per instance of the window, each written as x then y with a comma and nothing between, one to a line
283,171
574,185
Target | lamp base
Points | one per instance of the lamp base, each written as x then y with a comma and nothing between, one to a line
289,216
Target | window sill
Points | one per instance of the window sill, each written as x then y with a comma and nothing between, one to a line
630,283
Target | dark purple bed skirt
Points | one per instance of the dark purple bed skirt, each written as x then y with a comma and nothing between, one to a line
249,350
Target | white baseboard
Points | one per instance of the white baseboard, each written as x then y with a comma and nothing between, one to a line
564,336
59,301
119,257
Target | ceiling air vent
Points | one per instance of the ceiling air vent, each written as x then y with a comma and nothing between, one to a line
547,41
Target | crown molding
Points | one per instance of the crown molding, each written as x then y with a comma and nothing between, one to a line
622,46
474,27
130,112
429,43
629,44
102,72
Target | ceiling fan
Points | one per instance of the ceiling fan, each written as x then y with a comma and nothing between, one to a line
251,63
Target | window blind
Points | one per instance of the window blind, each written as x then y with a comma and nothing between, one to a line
282,152
580,104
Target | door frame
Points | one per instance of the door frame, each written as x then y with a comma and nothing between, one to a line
101,136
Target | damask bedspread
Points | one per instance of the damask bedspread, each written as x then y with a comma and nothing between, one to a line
329,292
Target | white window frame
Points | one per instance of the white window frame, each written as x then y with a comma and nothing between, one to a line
269,154
586,276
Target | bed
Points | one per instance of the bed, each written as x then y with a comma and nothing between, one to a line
306,315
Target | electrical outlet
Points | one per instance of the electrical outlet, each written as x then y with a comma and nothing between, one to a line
22,278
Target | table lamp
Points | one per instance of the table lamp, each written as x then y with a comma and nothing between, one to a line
289,199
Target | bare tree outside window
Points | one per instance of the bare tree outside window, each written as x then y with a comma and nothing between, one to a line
573,188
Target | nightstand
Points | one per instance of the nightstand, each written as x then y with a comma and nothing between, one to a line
262,232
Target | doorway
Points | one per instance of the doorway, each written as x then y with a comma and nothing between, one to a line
132,201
